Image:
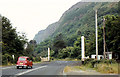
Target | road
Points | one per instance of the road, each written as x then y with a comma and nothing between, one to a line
40,69
45,69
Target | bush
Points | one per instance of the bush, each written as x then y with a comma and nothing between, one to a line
93,63
7,59
88,61
79,57
4,60
108,61
51,58
37,59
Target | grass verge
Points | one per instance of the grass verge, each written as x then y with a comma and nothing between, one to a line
107,68
67,69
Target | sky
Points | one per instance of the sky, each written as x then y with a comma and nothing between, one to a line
31,16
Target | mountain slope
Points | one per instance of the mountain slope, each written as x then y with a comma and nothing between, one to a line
43,34
78,20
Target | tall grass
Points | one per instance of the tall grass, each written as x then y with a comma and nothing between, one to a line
107,68
103,66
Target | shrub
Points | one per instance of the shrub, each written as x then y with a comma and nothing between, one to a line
88,61
108,61
7,59
95,62
4,60
36,59
51,58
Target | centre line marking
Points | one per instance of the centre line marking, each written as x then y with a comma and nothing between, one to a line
30,70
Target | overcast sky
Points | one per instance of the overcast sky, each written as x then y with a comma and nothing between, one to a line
31,16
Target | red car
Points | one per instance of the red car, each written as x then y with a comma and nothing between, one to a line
24,62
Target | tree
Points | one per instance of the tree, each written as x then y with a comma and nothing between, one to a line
65,52
113,34
58,43
31,48
12,43
112,37
77,48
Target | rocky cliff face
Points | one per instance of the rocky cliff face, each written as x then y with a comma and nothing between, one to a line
43,34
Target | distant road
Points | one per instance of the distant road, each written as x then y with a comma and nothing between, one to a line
45,69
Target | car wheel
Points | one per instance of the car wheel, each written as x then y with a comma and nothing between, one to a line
31,67
17,67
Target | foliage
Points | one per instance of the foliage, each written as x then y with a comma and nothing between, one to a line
88,60
71,52
93,62
36,59
79,21
103,66
58,44
65,52
113,33
12,42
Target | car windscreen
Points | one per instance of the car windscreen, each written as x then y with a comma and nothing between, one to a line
22,59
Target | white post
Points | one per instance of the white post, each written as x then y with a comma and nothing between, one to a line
96,34
48,54
82,48
13,57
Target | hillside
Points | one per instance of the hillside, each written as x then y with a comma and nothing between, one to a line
79,19
43,34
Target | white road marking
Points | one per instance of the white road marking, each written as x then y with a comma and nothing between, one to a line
30,70
6,67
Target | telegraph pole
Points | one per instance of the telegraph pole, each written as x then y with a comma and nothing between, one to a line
104,36
96,34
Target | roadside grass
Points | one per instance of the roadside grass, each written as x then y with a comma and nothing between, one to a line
82,67
9,64
101,67
107,68
74,68
67,69
37,62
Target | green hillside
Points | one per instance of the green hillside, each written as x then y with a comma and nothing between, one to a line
79,20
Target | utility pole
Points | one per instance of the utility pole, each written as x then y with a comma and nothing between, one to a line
104,36
96,34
